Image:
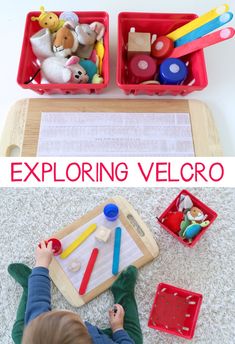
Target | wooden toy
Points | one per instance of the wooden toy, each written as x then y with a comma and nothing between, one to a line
138,43
21,135
78,241
74,265
102,234
203,42
172,71
175,311
162,47
138,248
88,272
116,250
111,212
198,22
205,29
141,68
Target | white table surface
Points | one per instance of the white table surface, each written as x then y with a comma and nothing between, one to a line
219,95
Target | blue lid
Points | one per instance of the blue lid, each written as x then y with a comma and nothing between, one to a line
111,211
172,72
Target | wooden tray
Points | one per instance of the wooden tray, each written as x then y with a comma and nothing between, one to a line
135,227
20,136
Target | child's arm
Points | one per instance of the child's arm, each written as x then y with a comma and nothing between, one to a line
39,286
116,318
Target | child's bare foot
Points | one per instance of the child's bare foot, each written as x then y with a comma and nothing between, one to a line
116,317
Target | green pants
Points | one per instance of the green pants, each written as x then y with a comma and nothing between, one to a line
122,289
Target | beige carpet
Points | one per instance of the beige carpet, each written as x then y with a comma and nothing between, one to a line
29,215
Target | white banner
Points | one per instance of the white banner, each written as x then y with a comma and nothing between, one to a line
117,172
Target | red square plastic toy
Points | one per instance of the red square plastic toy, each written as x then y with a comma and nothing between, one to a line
211,216
175,311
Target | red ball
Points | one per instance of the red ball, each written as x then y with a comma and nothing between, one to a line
162,47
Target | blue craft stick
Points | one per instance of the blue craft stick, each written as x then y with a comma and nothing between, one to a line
116,250
205,29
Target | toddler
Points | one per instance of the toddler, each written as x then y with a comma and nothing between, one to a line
42,325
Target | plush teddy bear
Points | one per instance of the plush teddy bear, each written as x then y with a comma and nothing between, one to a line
59,70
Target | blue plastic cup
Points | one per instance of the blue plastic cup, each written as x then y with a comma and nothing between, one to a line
111,212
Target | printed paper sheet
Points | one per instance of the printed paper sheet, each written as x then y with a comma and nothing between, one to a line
130,252
115,134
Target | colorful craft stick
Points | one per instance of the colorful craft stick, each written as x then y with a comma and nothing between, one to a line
203,42
88,271
198,22
78,241
205,29
116,250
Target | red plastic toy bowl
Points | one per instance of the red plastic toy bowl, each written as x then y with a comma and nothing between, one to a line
28,63
212,215
175,311
160,24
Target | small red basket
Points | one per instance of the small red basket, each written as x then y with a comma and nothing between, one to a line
160,24
175,311
211,216
28,62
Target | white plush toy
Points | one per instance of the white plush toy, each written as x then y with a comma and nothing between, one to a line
59,70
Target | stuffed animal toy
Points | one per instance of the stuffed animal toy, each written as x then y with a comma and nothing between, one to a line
59,70
196,214
192,230
42,44
65,41
49,20
87,35
91,70
173,220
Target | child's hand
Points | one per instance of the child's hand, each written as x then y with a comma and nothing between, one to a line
116,317
44,255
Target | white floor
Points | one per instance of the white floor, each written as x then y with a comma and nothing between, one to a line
29,215
219,95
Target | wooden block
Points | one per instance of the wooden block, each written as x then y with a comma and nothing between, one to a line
138,42
102,234
74,265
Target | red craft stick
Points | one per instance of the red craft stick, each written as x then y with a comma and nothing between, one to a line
88,272
203,42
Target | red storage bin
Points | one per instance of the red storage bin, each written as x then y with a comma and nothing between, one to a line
175,311
212,215
28,63
160,24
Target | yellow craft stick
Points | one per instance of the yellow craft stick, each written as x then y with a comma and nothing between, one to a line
198,22
99,47
78,241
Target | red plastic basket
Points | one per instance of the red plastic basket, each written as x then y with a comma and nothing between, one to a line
212,215
175,311
160,24
28,62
